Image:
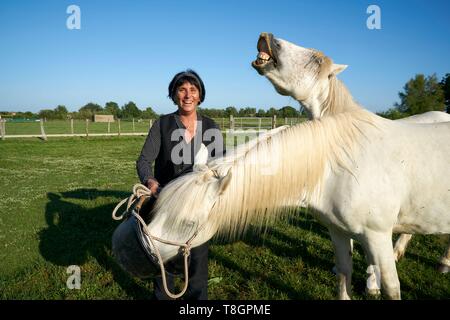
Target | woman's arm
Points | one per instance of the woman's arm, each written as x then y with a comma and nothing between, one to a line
150,150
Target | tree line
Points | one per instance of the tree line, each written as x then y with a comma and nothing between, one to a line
284,112
420,94
130,110
127,111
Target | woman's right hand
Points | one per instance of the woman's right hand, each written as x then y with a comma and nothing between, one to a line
153,185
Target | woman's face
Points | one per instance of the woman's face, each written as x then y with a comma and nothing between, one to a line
188,97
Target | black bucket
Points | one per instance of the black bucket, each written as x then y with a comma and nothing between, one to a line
133,251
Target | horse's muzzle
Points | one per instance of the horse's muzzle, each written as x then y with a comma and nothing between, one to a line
134,254
132,250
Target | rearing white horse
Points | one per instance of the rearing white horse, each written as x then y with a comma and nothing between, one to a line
284,72
284,78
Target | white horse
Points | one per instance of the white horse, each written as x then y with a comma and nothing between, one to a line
277,68
403,239
318,106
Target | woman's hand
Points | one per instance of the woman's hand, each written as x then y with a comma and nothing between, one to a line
153,185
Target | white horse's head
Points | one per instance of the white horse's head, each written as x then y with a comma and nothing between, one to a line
301,73
182,211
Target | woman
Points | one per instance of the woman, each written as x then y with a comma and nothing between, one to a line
172,143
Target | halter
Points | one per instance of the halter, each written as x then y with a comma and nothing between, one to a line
141,192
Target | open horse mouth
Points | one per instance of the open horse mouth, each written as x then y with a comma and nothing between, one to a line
266,53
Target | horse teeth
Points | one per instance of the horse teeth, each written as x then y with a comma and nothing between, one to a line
263,56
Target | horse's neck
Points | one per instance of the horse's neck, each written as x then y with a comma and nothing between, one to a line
338,100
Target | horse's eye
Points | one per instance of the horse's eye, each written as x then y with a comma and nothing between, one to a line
190,223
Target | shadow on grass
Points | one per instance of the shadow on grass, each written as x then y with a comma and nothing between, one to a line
286,247
282,286
75,233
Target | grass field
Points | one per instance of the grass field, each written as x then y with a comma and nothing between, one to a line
56,199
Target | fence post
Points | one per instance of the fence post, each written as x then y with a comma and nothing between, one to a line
133,125
285,121
274,121
118,124
231,122
44,136
87,127
109,126
2,129
223,123
71,126
259,124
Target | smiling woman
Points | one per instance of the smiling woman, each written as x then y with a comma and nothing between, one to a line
172,143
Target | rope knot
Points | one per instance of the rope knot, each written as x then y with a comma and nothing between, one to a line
186,251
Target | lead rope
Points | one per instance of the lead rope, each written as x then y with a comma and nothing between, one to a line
141,192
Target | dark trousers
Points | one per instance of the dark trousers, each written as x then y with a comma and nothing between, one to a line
198,277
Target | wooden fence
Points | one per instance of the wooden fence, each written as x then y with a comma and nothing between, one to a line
86,128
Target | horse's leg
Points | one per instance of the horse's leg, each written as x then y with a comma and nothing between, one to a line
343,255
380,254
400,245
444,263
351,250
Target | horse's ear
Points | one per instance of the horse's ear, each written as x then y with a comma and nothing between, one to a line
337,68
201,158
224,182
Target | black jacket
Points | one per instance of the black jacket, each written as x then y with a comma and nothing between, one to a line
166,137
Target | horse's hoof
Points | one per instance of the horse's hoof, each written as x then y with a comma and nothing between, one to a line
398,255
442,268
373,292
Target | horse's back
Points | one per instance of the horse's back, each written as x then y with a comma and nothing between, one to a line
427,117
399,176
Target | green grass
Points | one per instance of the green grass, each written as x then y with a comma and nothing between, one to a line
56,199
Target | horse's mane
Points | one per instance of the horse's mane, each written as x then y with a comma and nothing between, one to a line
294,162
276,172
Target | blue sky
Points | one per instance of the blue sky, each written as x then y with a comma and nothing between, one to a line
130,50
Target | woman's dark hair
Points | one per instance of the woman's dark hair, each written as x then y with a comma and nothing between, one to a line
181,77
